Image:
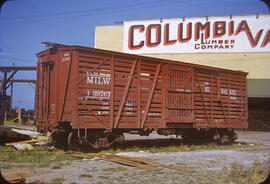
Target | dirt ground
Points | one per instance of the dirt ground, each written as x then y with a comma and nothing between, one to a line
203,166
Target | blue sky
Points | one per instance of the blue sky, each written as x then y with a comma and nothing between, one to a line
24,24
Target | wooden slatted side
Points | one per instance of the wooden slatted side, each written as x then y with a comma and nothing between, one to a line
128,106
94,90
180,103
45,99
106,90
220,100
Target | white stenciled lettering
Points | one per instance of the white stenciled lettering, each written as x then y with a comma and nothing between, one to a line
66,54
106,80
233,98
233,92
207,89
98,94
224,91
98,78
66,59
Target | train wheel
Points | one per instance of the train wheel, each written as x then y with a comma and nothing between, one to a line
101,141
73,142
58,139
227,137
53,139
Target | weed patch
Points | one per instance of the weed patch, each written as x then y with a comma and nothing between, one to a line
86,176
238,174
103,177
38,157
58,180
114,169
180,148
55,167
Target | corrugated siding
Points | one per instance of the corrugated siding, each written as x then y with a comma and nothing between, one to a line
258,120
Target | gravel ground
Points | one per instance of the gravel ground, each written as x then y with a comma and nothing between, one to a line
203,166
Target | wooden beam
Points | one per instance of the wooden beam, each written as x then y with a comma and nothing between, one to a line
13,73
10,68
29,141
23,80
125,95
151,96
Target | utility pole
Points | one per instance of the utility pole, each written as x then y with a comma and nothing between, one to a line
6,82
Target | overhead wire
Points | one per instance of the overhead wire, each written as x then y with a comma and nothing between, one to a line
62,13
76,14
80,13
15,58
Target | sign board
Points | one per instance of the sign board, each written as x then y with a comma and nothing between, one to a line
249,33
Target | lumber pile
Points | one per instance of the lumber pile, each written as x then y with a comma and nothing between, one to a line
8,135
143,163
16,177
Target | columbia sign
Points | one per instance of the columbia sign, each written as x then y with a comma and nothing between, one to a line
203,34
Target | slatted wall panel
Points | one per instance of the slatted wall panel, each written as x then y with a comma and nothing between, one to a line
104,81
180,102
220,99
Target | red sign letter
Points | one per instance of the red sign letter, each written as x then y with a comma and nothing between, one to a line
131,45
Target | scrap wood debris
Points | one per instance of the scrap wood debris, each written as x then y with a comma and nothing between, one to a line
143,163
28,141
23,145
19,139
16,177
8,135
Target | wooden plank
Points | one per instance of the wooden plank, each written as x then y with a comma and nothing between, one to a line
125,95
29,141
151,96
16,177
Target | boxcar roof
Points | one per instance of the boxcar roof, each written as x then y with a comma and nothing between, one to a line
83,48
